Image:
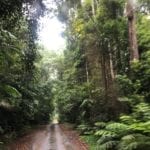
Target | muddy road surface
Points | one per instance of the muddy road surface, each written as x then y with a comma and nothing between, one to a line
49,137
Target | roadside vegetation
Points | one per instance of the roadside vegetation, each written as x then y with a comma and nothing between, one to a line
25,91
103,84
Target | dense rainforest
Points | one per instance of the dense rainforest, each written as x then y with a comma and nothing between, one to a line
25,92
101,82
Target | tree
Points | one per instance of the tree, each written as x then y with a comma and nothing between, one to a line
133,47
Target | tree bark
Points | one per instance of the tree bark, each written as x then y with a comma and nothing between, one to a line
133,47
111,67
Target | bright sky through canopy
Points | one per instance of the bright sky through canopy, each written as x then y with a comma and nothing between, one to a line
50,34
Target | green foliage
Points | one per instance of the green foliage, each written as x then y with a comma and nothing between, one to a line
141,76
134,141
79,84
125,85
97,52
107,145
97,72
142,111
143,32
25,99
106,133
91,39
71,99
117,127
11,91
100,124
144,6
131,133
91,140
85,129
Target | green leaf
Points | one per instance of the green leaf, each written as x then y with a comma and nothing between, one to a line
105,133
100,124
12,91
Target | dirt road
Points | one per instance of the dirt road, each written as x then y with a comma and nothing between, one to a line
50,137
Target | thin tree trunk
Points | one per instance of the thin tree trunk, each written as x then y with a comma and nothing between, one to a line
111,67
87,78
87,73
93,7
104,76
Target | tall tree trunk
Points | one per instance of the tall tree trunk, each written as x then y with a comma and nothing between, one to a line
111,62
134,54
104,77
88,82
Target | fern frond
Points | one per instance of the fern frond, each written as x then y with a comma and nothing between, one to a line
117,127
133,141
141,126
106,138
105,133
108,145
129,137
127,119
127,146
142,111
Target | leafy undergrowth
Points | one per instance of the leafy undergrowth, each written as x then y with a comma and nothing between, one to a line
91,140
6,139
131,132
